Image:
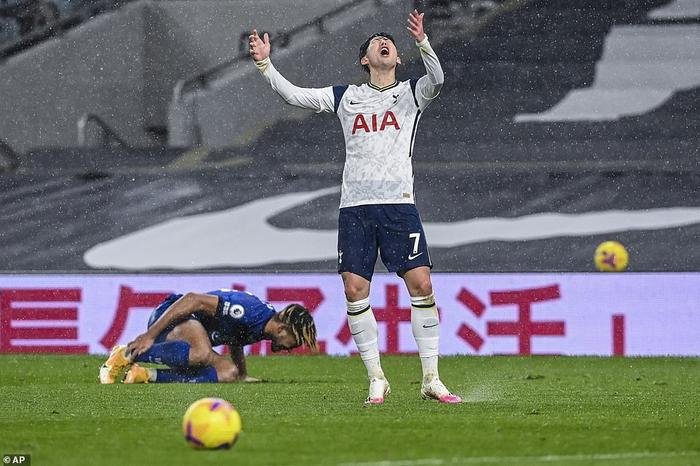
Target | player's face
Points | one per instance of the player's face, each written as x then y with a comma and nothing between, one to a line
284,340
382,52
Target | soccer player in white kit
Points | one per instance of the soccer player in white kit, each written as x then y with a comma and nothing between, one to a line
377,208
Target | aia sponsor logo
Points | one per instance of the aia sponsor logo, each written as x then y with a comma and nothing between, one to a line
372,123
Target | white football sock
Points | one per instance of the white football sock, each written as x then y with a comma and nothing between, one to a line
363,327
425,323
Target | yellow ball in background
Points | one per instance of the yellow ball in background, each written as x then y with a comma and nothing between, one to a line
611,256
211,423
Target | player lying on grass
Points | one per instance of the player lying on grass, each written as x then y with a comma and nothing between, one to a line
183,330
378,216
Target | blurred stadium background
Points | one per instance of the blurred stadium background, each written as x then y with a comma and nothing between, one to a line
118,116
137,138
141,154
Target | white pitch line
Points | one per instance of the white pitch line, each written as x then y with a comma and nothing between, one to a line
524,459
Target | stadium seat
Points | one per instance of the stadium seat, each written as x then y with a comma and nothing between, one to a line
9,30
37,19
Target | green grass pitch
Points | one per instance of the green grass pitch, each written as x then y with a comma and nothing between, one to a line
518,410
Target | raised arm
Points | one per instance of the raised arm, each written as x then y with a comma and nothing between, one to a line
428,86
318,99
186,305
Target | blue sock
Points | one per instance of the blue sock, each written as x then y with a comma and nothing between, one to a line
193,375
171,353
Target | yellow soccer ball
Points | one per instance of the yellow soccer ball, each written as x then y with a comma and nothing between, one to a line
611,256
211,423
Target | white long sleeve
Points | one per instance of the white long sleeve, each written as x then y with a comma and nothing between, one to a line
317,99
429,85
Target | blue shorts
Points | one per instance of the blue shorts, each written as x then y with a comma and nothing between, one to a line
394,231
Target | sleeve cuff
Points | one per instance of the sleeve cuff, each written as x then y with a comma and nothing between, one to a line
262,65
423,42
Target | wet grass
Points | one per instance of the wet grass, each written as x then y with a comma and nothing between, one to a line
536,410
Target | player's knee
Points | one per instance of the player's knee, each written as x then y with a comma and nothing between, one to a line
199,356
422,287
356,290
356,287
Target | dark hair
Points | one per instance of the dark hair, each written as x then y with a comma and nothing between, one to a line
301,324
365,45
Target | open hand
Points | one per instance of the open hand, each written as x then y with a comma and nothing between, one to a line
415,25
259,48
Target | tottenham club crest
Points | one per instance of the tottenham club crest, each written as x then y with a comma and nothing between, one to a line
234,310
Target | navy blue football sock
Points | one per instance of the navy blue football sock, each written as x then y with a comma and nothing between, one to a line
192,375
171,353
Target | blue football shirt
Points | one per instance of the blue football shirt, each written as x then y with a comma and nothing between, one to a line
239,320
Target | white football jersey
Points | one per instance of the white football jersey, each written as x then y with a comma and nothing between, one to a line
379,126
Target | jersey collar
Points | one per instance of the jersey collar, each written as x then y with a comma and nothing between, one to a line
382,89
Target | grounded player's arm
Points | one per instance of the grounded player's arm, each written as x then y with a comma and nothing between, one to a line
238,358
428,87
318,99
186,305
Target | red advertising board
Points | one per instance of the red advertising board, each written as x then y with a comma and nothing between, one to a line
481,314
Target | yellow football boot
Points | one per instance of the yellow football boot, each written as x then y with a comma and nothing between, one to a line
137,374
116,362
